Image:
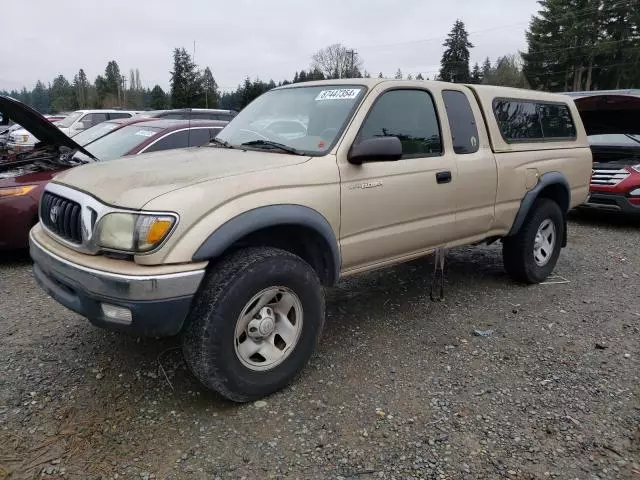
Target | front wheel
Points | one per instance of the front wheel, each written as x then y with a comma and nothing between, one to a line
531,255
255,323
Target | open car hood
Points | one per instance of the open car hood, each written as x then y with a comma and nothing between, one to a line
36,124
609,112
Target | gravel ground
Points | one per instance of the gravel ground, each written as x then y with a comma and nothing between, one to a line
401,387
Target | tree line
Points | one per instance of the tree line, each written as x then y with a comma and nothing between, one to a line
571,45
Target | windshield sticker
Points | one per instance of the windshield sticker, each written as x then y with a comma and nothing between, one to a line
338,94
145,133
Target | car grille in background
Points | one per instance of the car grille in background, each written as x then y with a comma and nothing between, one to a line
62,217
608,176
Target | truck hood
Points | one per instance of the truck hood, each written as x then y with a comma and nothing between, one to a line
131,182
39,126
609,113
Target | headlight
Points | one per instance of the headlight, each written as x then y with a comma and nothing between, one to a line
16,191
132,232
19,138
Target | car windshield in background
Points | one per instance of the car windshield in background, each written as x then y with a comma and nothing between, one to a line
93,133
68,121
306,119
615,139
121,142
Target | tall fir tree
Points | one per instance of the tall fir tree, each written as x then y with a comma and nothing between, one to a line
158,98
186,81
210,87
454,66
476,74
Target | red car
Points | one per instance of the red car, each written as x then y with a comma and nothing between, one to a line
22,180
612,121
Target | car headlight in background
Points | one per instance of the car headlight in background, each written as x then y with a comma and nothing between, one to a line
131,232
16,191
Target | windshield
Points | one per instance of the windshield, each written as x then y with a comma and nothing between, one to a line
307,119
121,141
90,134
68,121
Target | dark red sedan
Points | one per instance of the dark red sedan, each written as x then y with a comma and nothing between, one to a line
23,179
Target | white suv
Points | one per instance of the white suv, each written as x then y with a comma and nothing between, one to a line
82,119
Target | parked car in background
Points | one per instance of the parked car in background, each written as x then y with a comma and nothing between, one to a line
152,135
194,114
23,179
612,121
82,119
4,134
21,140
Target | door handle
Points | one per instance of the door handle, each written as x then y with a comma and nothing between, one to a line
443,177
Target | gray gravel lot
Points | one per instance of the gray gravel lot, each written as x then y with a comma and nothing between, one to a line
400,388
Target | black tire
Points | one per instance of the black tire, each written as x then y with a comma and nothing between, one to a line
209,333
518,250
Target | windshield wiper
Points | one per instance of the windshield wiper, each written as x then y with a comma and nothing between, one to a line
222,143
632,137
270,144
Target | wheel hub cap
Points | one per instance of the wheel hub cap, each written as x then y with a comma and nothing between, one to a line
268,328
544,243
263,325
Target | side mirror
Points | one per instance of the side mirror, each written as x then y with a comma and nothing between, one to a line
79,126
379,149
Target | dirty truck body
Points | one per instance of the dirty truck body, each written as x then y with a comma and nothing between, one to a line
230,244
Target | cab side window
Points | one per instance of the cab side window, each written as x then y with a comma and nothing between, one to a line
462,123
171,141
409,115
119,115
91,119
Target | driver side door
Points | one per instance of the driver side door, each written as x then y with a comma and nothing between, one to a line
393,210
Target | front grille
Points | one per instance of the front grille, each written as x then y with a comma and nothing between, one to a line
608,176
62,217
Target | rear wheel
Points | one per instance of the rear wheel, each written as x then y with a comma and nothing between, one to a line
531,255
255,323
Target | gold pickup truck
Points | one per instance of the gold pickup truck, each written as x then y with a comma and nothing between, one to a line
230,244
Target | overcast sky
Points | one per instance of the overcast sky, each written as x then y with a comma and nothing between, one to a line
267,39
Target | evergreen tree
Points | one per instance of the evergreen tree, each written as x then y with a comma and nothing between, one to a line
211,93
419,77
398,75
486,67
158,98
81,86
367,74
454,66
583,45
380,75
476,74
302,77
186,81
40,99
62,95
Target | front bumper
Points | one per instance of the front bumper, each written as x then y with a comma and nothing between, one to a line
158,304
611,202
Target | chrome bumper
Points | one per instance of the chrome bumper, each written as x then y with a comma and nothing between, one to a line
115,285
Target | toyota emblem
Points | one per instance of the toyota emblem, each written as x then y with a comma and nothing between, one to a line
53,213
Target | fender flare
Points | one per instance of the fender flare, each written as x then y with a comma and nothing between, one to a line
270,216
546,180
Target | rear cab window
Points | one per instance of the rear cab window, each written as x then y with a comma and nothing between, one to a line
462,122
522,120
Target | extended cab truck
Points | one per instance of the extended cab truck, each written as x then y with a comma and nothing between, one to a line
230,244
